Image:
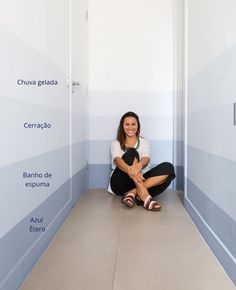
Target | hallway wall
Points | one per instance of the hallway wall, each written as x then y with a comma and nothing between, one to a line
211,139
35,105
130,68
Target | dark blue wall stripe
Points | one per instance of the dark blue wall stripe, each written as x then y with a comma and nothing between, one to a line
18,258
221,224
79,184
219,221
178,182
98,176
216,175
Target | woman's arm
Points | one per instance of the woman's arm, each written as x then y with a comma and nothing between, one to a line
137,167
134,174
144,161
120,163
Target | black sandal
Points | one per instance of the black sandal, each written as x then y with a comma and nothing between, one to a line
139,201
128,199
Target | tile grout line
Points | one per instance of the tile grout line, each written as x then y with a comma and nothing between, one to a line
117,246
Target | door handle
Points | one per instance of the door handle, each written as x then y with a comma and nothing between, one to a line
72,83
75,83
234,116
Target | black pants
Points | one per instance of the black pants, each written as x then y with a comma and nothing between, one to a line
121,182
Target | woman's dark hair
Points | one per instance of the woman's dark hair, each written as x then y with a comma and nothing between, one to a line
121,133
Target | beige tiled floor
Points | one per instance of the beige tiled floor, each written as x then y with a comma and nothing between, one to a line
104,245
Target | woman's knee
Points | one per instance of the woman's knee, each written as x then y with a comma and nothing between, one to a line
130,156
169,166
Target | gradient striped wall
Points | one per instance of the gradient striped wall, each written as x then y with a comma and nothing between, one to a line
33,48
130,68
211,142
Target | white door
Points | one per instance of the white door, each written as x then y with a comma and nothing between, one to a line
79,96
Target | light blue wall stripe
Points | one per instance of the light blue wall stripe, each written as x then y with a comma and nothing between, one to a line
214,85
178,152
99,152
79,127
211,130
79,152
31,65
30,142
161,151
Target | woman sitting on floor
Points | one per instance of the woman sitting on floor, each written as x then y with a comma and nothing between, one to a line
132,177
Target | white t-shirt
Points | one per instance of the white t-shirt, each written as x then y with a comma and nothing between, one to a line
143,151
116,151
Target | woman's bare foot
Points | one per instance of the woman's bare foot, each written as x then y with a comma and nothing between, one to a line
148,202
142,191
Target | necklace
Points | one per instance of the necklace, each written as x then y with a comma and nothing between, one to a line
136,145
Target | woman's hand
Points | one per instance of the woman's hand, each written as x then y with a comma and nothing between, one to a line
135,169
138,178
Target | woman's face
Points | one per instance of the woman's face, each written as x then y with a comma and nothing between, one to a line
130,126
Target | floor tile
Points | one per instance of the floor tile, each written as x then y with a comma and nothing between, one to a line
104,245
74,267
168,268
